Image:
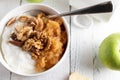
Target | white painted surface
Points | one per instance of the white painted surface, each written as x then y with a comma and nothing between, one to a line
83,51
6,6
84,48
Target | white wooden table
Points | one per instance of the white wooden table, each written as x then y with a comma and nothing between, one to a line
83,51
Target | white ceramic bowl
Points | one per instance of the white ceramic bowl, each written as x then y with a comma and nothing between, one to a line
21,9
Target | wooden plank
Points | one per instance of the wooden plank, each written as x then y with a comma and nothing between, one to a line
4,73
82,50
5,7
62,71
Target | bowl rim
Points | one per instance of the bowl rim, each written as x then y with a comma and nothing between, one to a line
58,63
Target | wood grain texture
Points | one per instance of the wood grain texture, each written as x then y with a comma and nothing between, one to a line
4,73
82,50
5,7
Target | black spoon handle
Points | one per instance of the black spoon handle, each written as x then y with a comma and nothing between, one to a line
104,7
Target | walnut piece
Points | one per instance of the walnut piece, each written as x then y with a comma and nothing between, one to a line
28,44
24,33
39,25
38,45
34,56
23,18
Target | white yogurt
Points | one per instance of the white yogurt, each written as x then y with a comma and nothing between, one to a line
15,57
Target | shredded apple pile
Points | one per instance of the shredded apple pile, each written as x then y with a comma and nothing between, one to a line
44,39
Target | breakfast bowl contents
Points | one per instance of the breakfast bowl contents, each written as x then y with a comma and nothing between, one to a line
44,39
32,43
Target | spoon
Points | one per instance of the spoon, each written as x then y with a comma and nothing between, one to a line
104,7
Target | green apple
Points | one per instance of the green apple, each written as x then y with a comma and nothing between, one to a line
109,51
35,1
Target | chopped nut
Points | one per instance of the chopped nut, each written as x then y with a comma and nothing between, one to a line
38,53
11,21
23,18
18,28
28,44
39,25
40,15
34,56
45,20
33,49
24,33
42,36
33,34
31,22
34,19
38,45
